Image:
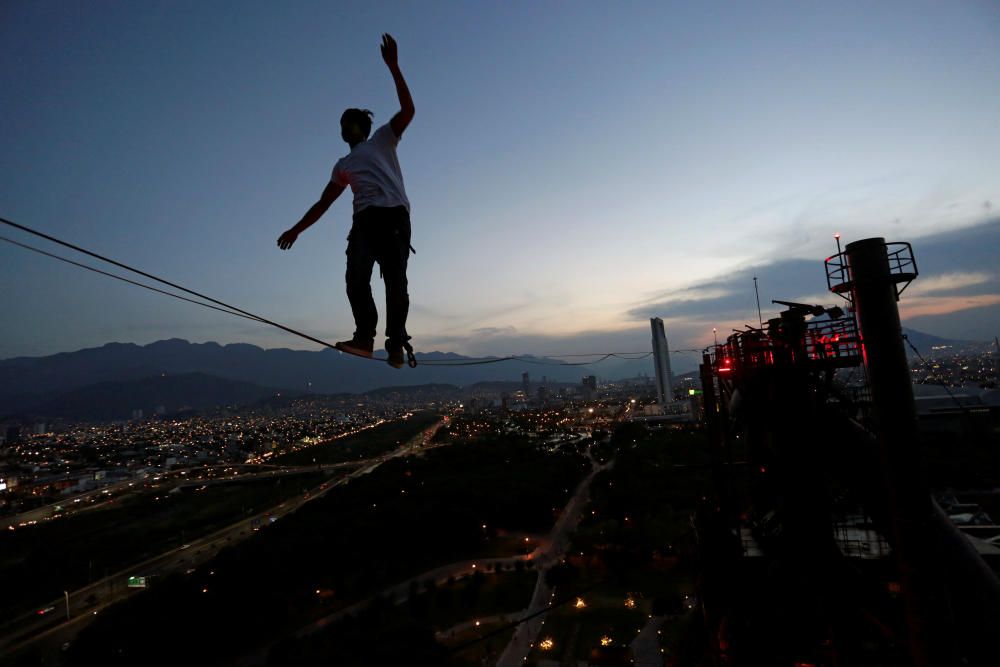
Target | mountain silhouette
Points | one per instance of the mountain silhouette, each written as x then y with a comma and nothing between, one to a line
32,381
106,401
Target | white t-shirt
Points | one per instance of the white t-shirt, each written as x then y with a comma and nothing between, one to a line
372,170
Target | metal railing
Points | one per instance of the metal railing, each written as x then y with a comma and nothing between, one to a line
822,343
902,268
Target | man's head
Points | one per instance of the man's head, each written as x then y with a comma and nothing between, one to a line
355,125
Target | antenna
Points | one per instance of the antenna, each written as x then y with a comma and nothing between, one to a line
760,320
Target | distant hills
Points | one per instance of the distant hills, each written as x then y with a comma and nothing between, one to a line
66,378
926,344
116,378
107,401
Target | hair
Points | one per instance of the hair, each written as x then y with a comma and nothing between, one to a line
363,117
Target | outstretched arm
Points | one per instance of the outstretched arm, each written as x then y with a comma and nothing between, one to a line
315,212
406,110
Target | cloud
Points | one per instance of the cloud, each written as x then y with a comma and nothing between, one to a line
679,299
949,282
958,289
944,305
731,295
494,331
957,294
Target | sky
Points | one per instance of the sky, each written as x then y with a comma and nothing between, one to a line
573,168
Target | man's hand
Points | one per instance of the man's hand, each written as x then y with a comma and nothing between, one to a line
286,240
389,54
402,119
315,212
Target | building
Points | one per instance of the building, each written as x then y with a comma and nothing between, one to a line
661,359
589,387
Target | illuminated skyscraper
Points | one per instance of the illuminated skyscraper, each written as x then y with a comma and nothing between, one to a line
661,359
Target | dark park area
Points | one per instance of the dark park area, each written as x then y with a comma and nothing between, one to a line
364,444
39,562
406,517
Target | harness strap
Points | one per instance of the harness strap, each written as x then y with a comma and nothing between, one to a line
411,359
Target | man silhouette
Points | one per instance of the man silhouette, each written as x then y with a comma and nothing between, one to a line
381,228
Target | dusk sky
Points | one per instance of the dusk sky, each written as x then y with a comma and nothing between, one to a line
573,168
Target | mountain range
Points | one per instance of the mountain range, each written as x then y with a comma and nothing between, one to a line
31,382
115,378
108,401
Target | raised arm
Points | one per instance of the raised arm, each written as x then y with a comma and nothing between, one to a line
315,212
406,110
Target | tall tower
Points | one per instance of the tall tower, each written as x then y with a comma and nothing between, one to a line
526,385
661,359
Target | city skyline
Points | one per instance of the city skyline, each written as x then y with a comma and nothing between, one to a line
720,143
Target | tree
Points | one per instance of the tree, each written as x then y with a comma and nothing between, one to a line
561,577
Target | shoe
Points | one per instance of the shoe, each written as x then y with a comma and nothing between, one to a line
357,346
395,350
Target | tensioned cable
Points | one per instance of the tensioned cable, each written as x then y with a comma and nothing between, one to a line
603,357
224,307
596,354
95,255
123,279
476,362
963,408
541,361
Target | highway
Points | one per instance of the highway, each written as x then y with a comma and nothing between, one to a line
102,497
49,631
526,633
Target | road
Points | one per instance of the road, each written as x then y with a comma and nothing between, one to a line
71,503
49,631
400,592
549,551
107,495
527,632
496,619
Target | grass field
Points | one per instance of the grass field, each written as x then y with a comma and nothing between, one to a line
480,646
37,563
474,597
362,445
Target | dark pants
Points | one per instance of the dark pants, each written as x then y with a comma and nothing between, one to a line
379,235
